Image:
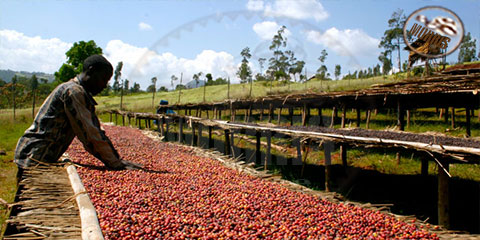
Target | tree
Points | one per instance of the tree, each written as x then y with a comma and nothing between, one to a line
196,77
278,64
338,71
322,70
135,88
116,85
468,48
154,83
125,85
163,89
393,37
386,62
75,57
244,72
261,61
209,79
173,80
33,86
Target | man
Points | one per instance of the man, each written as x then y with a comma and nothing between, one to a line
69,111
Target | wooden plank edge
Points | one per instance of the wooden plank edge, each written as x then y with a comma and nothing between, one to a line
90,226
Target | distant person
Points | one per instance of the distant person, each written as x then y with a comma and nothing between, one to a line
69,111
161,110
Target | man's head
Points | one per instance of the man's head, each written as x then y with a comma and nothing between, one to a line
96,72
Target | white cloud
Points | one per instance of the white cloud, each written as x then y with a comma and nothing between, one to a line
349,42
23,53
267,29
141,64
298,9
255,5
144,26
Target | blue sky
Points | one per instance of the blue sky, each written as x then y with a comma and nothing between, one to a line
165,37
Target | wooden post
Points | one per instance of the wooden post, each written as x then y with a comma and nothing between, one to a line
279,115
320,117
268,155
304,114
242,149
199,137
210,139
193,142
112,121
232,144
344,116
443,196
261,113
453,118
424,169
166,129
245,116
343,153
270,113
290,115
398,158
400,116
249,113
215,113
139,123
160,126
116,120
358,117
307,117
258,154
123,120
180,130
327,149
147,123
369,113
467,121
332,123
227,142
299,149
219,114
408,118
208,116
199,112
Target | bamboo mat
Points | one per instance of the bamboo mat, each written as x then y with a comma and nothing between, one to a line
46,207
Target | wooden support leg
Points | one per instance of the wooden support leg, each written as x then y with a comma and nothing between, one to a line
111,117
400,116
242,149
227,142
298,144
408,118
199,137
208,116
369,113
304,114
193,142
279,116
328,148
210,139
166,129
398,158
343,153
268,155
123,120
261,114
180,130
344,116
160,127
290,115
232,143
443,196
270,113
453,118
116,119
307,117
332,122
320,117
467,122
258,154
219,114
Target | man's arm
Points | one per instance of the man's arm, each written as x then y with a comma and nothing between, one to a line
86,127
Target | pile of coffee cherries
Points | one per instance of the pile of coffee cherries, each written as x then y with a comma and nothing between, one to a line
180,195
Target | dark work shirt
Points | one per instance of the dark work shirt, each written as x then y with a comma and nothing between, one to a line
68,111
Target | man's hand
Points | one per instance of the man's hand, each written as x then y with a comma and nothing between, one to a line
124,164
131,165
